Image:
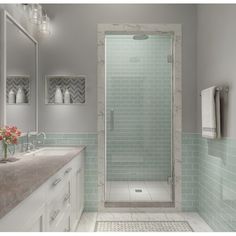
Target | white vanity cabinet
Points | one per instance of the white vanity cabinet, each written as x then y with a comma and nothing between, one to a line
55,206
77,196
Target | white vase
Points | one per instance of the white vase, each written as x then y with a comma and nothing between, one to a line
67,97
11,97
58,95
20,95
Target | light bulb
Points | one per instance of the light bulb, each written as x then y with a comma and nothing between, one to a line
36,13
45,25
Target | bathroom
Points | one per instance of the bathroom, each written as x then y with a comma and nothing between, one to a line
109,101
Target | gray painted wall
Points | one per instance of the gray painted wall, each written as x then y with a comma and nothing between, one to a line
72,49
216,58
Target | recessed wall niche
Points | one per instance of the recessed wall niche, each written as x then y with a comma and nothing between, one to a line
14,82
75,85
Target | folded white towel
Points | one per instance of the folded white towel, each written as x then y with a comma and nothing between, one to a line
211,113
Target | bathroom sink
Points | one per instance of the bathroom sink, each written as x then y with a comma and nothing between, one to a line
50,151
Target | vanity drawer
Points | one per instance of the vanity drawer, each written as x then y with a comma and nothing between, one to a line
66,194
57,182
64,224
61,200
54,212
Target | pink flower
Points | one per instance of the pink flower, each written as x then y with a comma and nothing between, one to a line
8,134
13,129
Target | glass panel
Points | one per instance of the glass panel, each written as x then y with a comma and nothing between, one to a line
138,117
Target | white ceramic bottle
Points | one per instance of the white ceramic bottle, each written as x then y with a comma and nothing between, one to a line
67,97
58,95
11,97
20,95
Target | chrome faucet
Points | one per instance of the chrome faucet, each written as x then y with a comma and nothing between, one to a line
28,145
40,141
42,133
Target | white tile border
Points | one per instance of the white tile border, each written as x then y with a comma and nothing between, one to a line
175,29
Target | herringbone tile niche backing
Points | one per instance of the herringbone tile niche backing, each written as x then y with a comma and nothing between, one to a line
16,81
75,85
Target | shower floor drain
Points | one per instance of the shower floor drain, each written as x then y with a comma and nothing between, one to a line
138,190
137,226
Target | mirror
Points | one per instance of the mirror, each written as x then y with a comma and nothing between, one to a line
20,77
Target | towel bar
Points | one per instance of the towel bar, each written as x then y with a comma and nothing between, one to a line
223,89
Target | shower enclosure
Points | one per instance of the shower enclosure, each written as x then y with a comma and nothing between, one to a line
139,115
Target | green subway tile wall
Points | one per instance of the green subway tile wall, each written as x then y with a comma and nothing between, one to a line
138,86
190,171
208,176
90,140
217,183
209,180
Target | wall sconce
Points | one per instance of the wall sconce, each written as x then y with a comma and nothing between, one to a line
38,17
35,13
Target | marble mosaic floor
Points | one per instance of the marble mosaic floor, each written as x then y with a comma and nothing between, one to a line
143,226
89,219
134,191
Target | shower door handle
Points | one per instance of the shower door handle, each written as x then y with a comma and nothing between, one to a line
111,119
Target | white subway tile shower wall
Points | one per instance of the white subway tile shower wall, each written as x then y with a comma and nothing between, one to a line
139,94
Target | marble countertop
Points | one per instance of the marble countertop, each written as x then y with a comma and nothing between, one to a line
19,179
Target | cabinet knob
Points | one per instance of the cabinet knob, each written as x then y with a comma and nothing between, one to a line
54,215
57,181
67,197
68,170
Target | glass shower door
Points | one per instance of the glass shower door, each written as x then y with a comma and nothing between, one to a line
138,118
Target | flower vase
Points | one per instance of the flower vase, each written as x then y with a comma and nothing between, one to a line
4,146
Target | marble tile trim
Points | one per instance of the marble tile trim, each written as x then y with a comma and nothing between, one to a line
175,30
